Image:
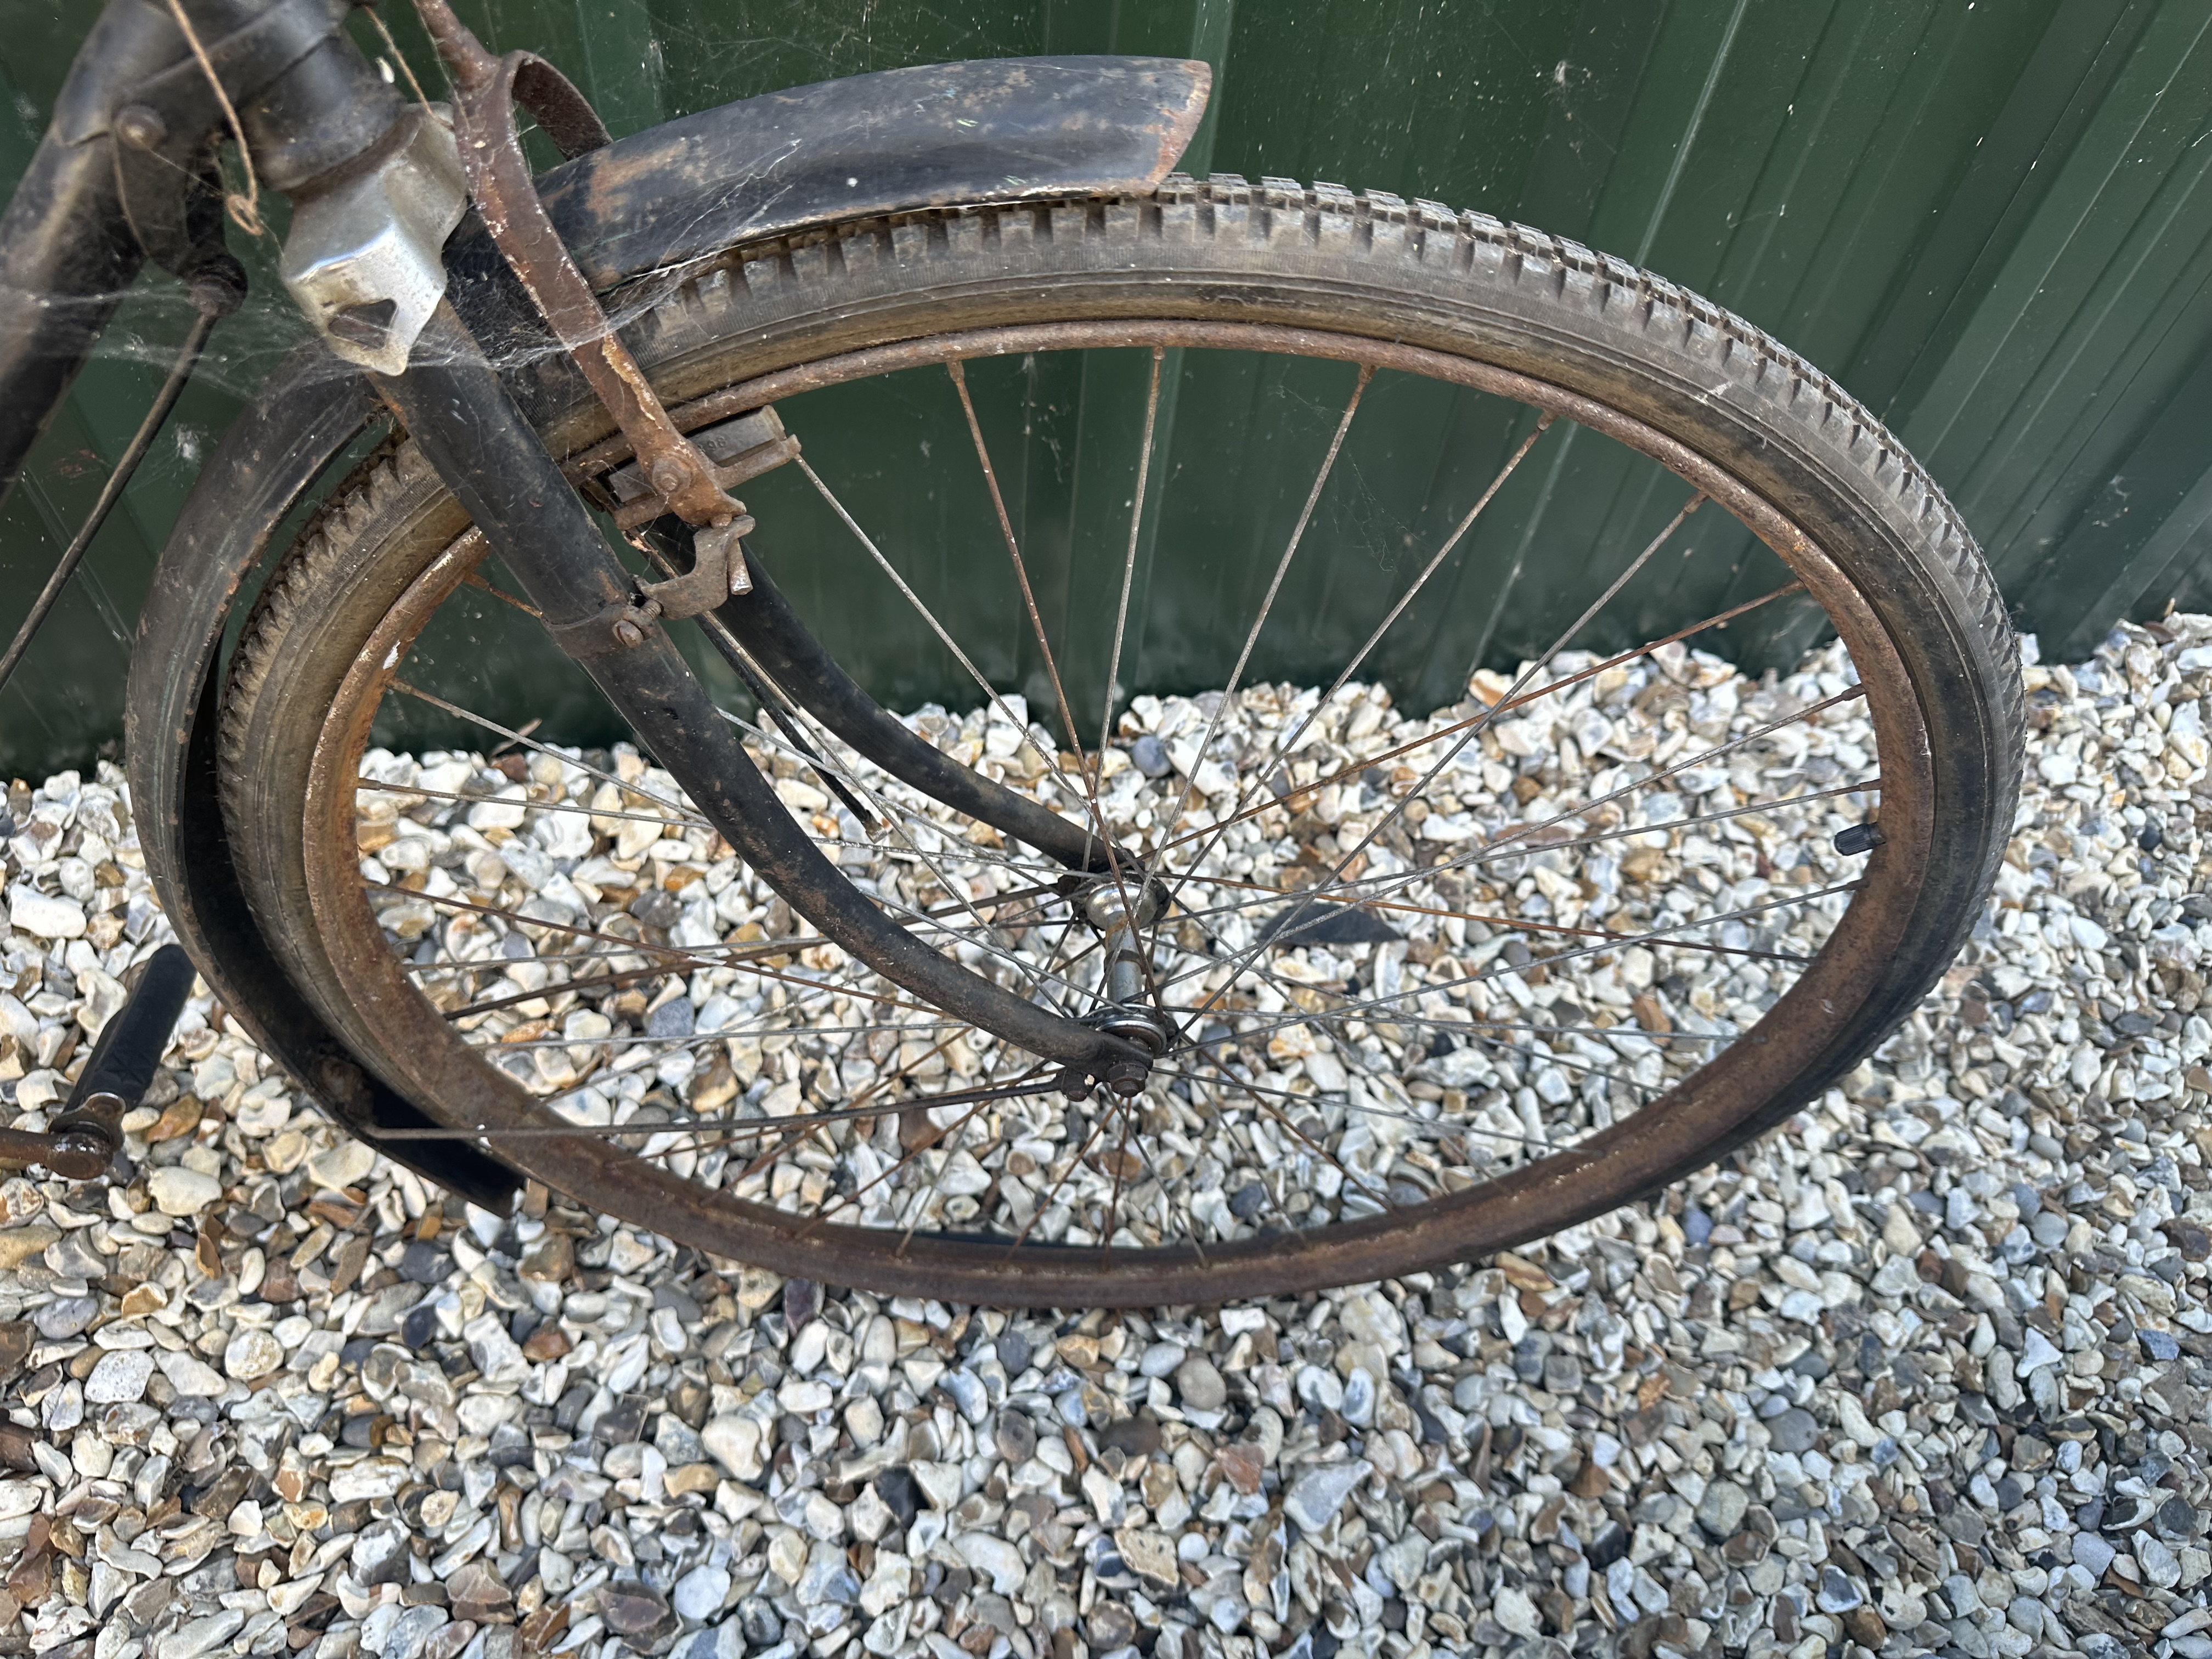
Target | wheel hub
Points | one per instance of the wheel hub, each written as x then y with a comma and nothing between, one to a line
1120,909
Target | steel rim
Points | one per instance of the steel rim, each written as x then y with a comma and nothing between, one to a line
1663,1137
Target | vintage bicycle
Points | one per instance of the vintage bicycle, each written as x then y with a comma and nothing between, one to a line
985,1010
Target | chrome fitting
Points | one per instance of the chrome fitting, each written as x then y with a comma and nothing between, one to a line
365,256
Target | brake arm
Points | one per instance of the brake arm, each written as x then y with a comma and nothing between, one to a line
486,90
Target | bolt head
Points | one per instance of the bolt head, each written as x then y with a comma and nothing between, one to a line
78,1155
669,475
140,126
629,633
1126,1077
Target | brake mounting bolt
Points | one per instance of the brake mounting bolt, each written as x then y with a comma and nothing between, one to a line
141,126
629,633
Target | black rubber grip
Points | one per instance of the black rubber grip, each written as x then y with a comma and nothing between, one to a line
129,1048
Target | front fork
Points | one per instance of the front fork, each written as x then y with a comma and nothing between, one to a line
460,415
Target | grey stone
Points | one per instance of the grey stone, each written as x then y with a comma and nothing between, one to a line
1317,1496
65,1316
672,1020
1015,1435
1794,1431
412,1631
1721,1510
119,1377
1160,1359
380,1554
758,1618
632,1609
966,1391
251,1354
72,1256
2162,1568
699,1593
177,1191
197,1636
1199,1385
1359,1407
1837,1593
994,1559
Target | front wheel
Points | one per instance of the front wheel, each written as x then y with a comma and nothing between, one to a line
1472,898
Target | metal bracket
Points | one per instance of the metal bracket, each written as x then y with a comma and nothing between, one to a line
718,571
735,451
365,255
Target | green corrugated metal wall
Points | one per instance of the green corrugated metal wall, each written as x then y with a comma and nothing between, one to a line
1989,218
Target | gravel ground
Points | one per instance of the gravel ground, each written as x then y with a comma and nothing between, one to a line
1928,1371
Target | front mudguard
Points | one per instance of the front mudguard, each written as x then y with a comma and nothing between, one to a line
647,206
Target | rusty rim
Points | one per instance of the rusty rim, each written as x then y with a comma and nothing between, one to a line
1792,1045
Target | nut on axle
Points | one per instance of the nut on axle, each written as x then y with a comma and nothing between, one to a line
1120,909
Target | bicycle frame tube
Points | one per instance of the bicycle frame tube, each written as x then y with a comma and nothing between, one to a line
125,171
66,252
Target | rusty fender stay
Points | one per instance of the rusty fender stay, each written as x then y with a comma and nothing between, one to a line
988,130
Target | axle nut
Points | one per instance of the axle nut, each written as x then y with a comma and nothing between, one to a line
1126,1077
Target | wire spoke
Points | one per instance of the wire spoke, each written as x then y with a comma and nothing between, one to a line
1410,878
1446,1126
1297,933
777,708
1381,1194
1281,746
1482,723
1088,773
982,1098
957,890
1073,1163
579,808
683,814
1274,587
1129,560
743,957
990,692
1505,705
1212,1005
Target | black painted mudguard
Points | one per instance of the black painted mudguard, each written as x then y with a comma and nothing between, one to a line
989,131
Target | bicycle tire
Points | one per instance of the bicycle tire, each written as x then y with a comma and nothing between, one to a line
1361,268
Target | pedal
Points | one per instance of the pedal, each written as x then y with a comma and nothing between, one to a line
84,1136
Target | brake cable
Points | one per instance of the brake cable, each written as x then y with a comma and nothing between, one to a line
214,297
